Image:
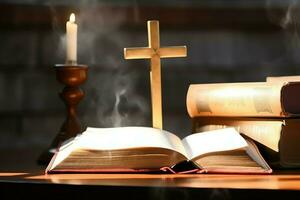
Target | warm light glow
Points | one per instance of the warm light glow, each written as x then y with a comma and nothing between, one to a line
71,40
72,18
8,174
120,138
235,92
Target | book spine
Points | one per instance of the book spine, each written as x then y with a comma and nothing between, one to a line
236,100
265,132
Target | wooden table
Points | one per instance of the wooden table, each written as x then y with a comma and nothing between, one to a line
152,186
29,180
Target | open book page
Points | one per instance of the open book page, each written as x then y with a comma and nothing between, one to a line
126,139
199,144
225,151
254,153
247,160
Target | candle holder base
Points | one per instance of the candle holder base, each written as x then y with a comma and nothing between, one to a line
72,76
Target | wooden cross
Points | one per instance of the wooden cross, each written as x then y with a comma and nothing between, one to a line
155,52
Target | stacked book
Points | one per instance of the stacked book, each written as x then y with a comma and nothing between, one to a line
267,112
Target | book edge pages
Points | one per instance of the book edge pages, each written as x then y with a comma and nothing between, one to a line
72,145
265,168
50,165
255,128
252,146
272,79
276,105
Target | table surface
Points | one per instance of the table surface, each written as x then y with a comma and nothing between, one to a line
20,173
289,180
16,169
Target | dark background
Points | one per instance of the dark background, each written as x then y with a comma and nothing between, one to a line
227,41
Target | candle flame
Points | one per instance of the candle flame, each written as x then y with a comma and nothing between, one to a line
72,18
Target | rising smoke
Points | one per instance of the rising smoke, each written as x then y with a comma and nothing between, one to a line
285,13
111,97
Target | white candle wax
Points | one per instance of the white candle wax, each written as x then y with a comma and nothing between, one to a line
71,40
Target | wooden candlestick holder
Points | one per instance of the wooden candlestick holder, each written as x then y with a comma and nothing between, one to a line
72,76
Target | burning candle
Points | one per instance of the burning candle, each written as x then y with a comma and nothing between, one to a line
71,38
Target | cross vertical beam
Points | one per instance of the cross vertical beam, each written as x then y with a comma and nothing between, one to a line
155,53
155,75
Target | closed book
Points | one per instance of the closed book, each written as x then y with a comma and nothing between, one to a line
256,99
283,78
279,137
147,150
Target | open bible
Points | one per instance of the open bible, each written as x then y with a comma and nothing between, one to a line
141,149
